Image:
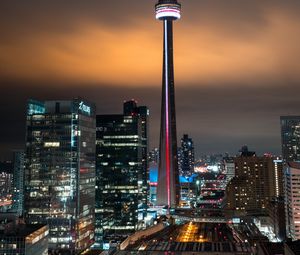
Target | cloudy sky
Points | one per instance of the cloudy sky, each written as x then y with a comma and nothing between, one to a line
237,65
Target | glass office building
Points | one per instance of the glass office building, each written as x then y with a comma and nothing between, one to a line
187,158
60,171
290,138
121,179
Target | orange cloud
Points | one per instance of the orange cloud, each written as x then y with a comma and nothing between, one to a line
204,53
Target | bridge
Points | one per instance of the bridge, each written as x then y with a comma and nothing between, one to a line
207,219
206,215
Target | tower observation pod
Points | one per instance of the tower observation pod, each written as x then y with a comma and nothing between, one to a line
168,10
168,179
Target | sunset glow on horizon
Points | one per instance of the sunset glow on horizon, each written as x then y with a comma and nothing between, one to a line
223,47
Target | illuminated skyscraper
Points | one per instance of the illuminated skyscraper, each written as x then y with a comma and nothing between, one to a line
168,183
187,159
121,180
60,171
290,138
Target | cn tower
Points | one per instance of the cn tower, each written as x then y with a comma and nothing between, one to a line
168,180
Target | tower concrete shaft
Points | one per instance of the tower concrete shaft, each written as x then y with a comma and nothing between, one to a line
168,180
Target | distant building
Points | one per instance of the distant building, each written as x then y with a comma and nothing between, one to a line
154,156
23,239
290,138
244,152
188,190
187,157
6,187
153,175
122,174
292,200
18,181
60,171
229,168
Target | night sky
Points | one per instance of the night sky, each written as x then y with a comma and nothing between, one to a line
237,65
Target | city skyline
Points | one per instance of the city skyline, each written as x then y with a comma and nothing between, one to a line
164,175
236,73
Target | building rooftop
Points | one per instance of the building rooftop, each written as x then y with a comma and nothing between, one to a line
294,165
214,238
18,230
188,247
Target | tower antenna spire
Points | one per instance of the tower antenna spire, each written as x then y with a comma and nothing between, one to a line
168,180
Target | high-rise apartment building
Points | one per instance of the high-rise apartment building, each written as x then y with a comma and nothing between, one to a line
257,190
187,157
290,138
168,190
257,181
18,181
122,171
60,171
292,199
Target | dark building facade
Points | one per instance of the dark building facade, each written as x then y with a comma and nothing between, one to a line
6,185
142,112
187,156
60,171
290,138
23,239
168,184
122,169
18,181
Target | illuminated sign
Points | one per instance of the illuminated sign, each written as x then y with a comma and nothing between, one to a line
84,108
